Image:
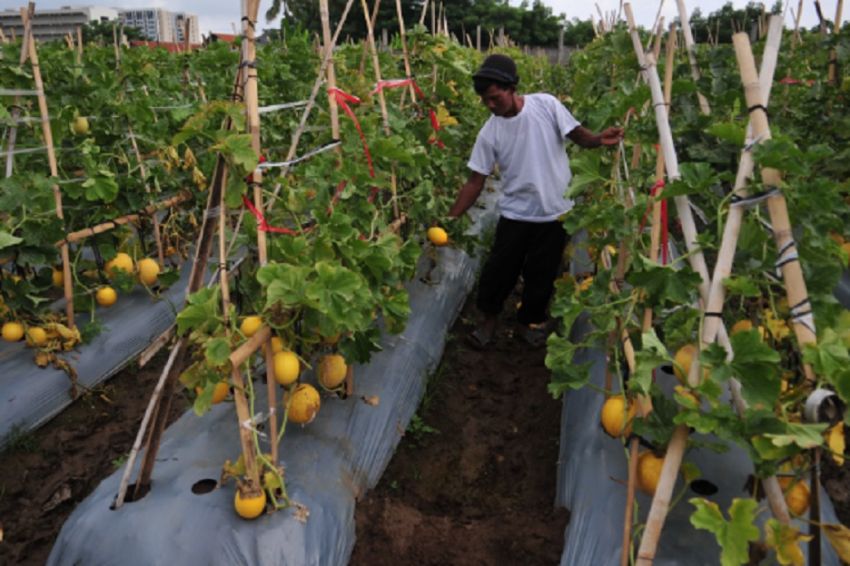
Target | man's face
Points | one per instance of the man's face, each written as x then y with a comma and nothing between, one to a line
498,101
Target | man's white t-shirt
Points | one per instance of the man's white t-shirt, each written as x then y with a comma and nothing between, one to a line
530,150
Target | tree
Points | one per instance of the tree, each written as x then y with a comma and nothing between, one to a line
724,22
306,14
98,31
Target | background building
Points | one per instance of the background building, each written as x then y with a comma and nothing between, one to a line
154,24
180,20
54,24
161,25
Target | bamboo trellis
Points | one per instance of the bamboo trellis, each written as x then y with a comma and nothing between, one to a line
29,52
677,444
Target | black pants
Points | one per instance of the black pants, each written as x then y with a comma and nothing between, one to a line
528,248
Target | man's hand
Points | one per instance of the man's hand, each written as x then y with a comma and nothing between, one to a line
611,136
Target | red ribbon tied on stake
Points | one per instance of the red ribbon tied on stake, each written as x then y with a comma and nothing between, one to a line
401,83
398,83
342,98
262,223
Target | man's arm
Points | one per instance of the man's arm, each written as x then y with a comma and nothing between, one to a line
585,138
468,194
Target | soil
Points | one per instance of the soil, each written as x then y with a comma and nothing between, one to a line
473,480
45,474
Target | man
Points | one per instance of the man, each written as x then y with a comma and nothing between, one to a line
526,137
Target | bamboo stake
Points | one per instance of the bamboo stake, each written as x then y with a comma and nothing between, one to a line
659,34
792,273
381,99
320,77
403,37
126,219
723,267
160,401
678,442
797,38
833,55
249,16
433,18
333,109
365,46
16,108
143,171
689,46
29,39
821,21
647,318
423,12
79,46
115,46
146,419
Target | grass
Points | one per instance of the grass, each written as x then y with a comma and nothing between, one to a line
19,440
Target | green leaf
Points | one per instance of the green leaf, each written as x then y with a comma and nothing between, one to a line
284,283
696,178
8,240
757,367
566,374
728,131
662,283
238,147
742,285
830,358
801,435
201,311
651,355
217,351
733,535
101,187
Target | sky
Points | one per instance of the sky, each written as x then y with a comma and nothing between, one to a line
221,15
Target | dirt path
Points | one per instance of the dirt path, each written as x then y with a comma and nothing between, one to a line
473,480
45,474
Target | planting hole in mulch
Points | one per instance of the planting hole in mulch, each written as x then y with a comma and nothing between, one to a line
131,496
204,486
703,487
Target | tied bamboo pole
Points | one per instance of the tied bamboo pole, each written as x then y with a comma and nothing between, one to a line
678,443
726,254
798,40
333,109
405,56
381,100
655,239
115,46
692,59
79,46
423,12
160,400
833,54
250,8
126,219
16,107
366,46
311,100
788,261
29,39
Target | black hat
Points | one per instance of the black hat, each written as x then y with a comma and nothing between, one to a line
498,67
